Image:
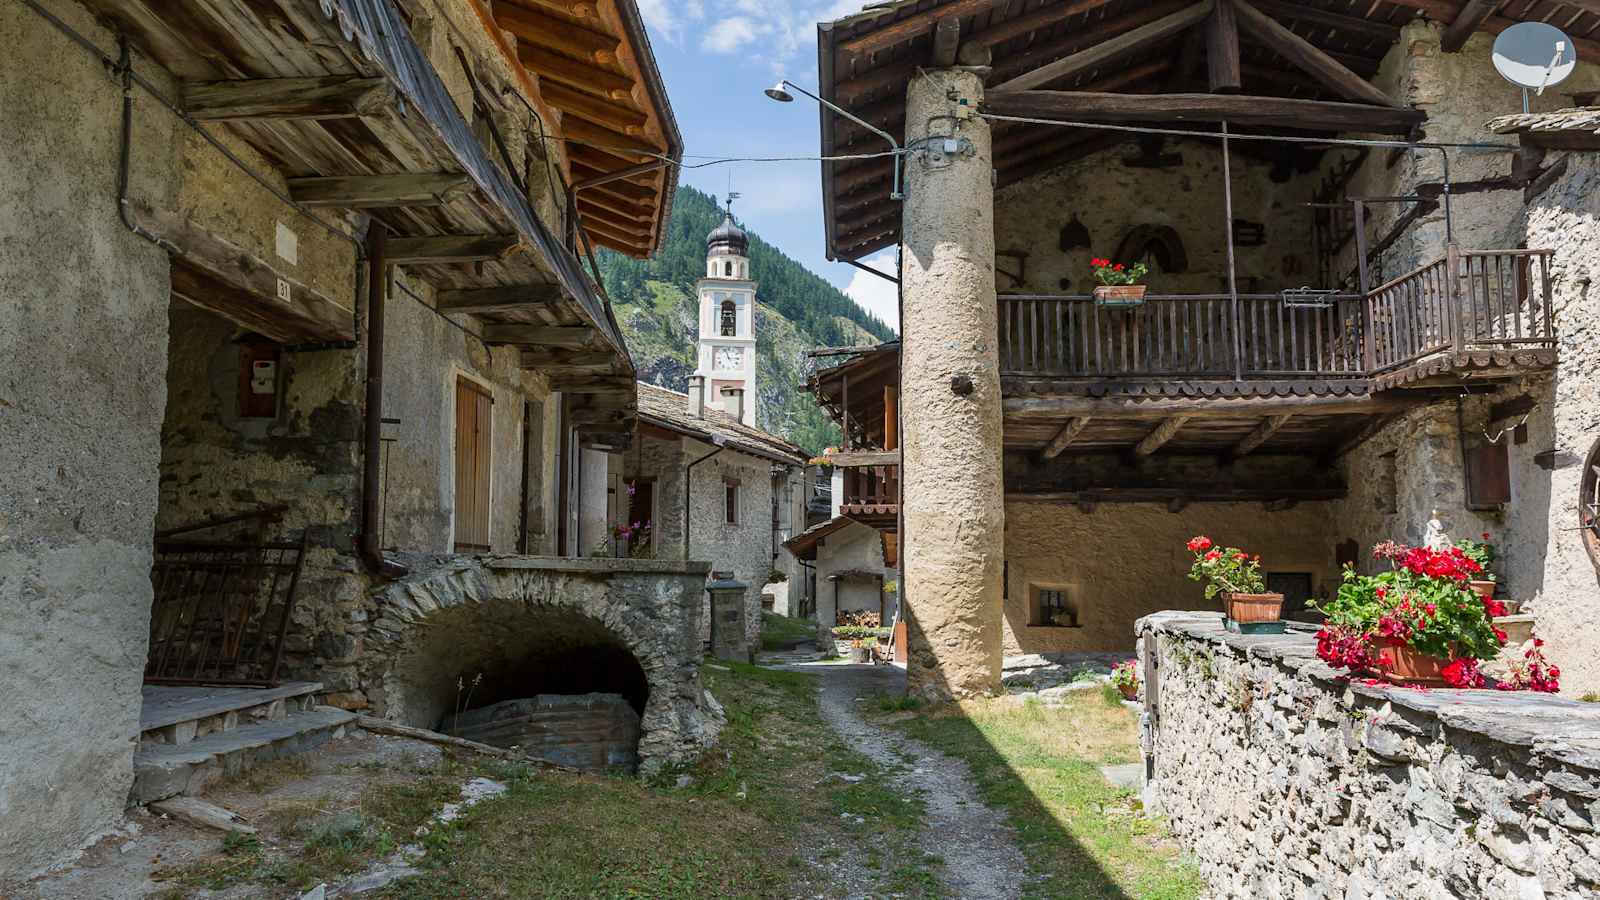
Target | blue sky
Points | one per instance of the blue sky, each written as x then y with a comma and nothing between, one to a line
716,57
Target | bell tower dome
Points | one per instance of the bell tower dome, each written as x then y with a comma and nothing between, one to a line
727,342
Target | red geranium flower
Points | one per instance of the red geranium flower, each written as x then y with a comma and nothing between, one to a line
1197,544
1213,555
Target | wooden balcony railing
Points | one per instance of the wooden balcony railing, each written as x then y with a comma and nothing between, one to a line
1498,299
871,482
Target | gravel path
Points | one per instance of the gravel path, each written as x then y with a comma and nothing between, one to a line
980,855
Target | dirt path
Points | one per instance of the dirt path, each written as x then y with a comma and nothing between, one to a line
980,856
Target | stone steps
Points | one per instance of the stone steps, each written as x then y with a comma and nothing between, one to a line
167,770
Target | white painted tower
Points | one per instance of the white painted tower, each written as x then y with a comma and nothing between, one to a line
727,344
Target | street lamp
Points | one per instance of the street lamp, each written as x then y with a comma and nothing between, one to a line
780,93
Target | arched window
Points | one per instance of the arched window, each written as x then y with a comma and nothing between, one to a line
727,269
730,318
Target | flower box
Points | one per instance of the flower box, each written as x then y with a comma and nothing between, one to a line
1119,296
1484,589
1253,609
1408,666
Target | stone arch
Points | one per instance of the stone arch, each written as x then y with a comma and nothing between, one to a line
1160,243
533,626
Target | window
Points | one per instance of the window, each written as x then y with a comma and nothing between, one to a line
642,512
727,269
1386,485
730,318
1295,588
474,441
730,501
1051,607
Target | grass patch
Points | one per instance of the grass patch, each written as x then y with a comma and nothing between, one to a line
779,632
1081,837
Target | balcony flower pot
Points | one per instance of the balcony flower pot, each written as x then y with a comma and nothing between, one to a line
1252,609
1484,589
1408,666
1119,296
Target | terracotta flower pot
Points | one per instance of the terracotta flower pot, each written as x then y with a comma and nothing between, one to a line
1484,589
1248,609
1119,294
1413,667
1129,691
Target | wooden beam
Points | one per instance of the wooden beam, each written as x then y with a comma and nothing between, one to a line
555,359
576,337
557,34
946,41
505,298
1356,27
1222,49
1159,436
1106,51
580,131
582,9
854,459
1239,109
1065,436
588,106
1054,408
377,191
908,28
1263,494
1268,427
573,73
1039,19
1305,56
448,248
1467,22
327,97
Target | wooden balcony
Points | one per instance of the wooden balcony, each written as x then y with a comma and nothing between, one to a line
871,485
1423,327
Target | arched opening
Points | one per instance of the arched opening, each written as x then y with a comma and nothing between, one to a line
1157,246
730,318
555,682
727,269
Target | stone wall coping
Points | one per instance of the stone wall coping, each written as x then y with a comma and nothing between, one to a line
598,565
1564,730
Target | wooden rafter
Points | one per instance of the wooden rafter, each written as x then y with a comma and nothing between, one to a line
1160,435
539,28
1239,109
1306,57
1065,436
378,191
1467,22
601,112
553,67
576,337
888,36
505,298
1353,26
1101,53
448,248
329,97
1268,427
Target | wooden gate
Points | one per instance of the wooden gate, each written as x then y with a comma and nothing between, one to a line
474,441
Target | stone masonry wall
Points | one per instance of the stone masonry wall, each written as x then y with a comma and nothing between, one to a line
1284,780
855,548
83,331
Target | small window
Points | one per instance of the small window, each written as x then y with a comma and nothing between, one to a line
727,269
730,502
1387,484
1052,608
730,318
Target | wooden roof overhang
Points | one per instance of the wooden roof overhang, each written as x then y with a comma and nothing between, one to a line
859,382
593,65
337,95
1130,61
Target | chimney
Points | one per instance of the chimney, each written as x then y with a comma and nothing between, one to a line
697,396
733,402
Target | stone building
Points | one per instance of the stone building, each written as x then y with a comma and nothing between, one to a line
1382,333
306,389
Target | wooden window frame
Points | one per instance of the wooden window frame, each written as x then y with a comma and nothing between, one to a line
730,510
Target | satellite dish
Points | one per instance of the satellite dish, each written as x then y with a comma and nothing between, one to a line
1534,56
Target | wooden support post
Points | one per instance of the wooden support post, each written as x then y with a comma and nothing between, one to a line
1369,337
371,191
1268,427
1222,49
1454,296
327,97
1065,436
946,41
891,417
1160,436
1234,320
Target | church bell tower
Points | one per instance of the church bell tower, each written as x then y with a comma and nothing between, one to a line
727,343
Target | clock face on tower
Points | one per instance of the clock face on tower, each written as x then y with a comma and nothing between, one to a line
729,358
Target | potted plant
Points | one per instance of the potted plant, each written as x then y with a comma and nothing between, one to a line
1119,283
1235,577
1125,677
1484,554
1417,623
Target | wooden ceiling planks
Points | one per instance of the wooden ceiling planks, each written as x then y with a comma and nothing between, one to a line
866,60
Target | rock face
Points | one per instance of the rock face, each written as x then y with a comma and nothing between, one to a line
593,732
1285,780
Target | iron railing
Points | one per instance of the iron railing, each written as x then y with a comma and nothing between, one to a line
1495,300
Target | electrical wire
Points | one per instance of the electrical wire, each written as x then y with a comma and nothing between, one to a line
1236,136
724,160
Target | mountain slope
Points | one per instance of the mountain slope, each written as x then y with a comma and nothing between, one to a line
796,311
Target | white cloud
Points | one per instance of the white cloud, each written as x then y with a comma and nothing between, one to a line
668,17
876,295
728,35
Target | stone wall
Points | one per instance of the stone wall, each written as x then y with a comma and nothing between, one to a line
83,331
1284,780
1125,560
452,636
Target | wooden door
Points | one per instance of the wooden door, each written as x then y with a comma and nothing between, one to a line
641,511
474,441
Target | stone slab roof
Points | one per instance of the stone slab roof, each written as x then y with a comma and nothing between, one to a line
670,410
1578,118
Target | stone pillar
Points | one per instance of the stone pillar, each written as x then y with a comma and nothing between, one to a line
954,510
728,597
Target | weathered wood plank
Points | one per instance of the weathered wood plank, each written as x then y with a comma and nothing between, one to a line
377,191
554,67
558,34
540,334
1065,436
331,97
1239,109
1268,427
1307,57
505,298
449,248
1101,53
1018,408
1159,436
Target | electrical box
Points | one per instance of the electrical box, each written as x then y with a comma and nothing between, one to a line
258,378
264,377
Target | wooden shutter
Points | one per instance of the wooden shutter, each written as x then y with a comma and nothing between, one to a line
474,439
